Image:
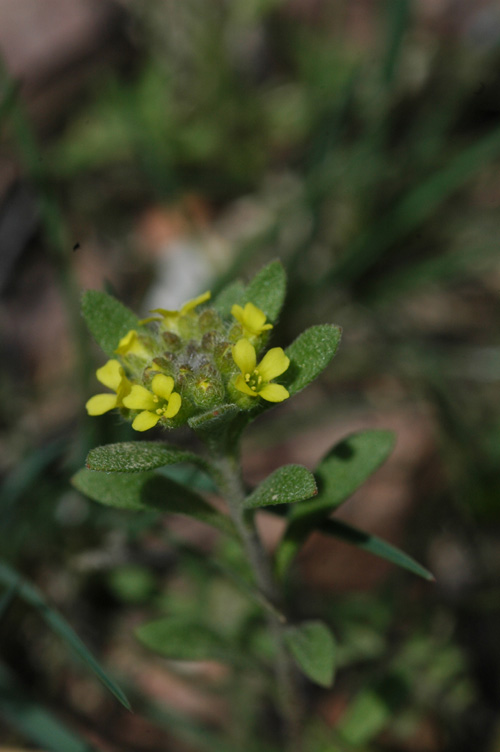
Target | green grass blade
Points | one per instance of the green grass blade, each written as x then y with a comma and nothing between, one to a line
398,18
33,596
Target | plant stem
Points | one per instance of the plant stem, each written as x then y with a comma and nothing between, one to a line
230,483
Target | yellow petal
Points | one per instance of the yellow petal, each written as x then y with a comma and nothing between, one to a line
244,356
174,405
110,374
274,393
144,421
242,385
123,389
162,385
101,403
139,399
130,344
254,318
195,302
237,312
165,312
273,364
149,319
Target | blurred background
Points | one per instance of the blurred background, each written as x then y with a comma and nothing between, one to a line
159,149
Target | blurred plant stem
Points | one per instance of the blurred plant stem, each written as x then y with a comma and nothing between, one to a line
231,485
53,225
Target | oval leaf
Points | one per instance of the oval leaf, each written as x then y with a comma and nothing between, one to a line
107,319
309,355
183,640
339,474
139,491
287,484
137,456
313,648
267,290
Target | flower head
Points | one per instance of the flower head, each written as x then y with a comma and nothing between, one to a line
130,344
113,376
169,318
162,402
255,379
251,318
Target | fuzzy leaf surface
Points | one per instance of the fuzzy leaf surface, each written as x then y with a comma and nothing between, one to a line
313,648
149,490
137,456
346,467
231,294
219,428
267,290
374,545
180,639
107,319
309,355
286,485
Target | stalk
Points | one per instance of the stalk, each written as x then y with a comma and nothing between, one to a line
231,485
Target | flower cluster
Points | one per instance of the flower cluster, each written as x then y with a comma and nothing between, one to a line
178,364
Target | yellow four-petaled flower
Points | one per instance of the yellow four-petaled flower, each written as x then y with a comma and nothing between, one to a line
254,378
251,318
161,402
112,375
130,344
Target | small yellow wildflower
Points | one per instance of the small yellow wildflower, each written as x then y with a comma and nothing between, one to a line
251,318
113,376
169,318
254,379
162,403
130,344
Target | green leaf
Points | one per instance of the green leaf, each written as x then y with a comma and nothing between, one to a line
149,490
107,319
372,709
34,722
138,456
34,598
184,640
267,290
309,355
346,467
313,648
339,474
372,544
231,294
287,484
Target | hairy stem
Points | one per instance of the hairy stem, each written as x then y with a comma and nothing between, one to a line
229,479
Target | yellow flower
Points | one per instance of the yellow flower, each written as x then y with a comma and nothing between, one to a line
162,403
113,376
130,344
254,379
170,317
251,318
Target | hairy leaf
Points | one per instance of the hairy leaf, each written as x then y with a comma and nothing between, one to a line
107,319
339,474
267,289
149,490
138,456
287,484
231,294
309,355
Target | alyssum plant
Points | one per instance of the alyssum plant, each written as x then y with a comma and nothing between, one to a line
208,366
